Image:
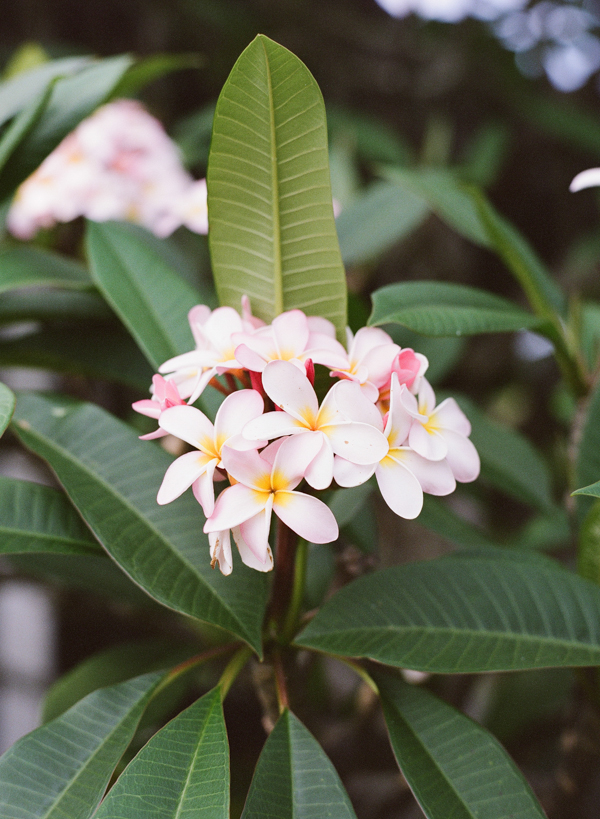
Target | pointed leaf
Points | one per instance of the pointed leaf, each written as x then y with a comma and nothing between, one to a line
26,266
454,767
22,124
7,406
588,554
112,478
36,518
187,763
476,612
272,232
53,305
587,465
62,769
150,298
593,490
294,779
443,309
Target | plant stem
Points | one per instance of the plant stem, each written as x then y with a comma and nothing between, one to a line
283,582
290,624
280,683
233,668
198,659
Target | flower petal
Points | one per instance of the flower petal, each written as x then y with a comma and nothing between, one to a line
450,416
435,477
307,516
248,556
189,424
292,459
204,490
235,412
400,488
462,457
358,443
354,405
349,474
272,425
255,533
290,389
429,443
220,551
235,505
181,475
319,472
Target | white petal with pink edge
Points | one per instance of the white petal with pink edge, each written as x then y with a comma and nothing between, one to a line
352,403
348,474
291,390
358,443
255,532
235,505
307,516
400,488
220,551
462,457
429,443
189,424
293,457
272,425
450,416
248,556
319,472
181,475
204,489
247,467
235,412
435,477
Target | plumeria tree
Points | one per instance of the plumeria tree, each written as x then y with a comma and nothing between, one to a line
271,428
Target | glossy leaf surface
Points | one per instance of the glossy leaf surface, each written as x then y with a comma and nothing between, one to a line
187,764
294,779
21,125
453,766
443,309
26,266
112,478
7,406
61,769
484,611
150,298
272,232
36,518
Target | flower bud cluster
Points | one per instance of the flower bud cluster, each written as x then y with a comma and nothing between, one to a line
379,417
117,164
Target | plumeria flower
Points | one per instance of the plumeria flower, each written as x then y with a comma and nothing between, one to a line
290,337
164,396
214,353
265,484
334,431
220,552
197,469
441,432
371,353
402,474
585,179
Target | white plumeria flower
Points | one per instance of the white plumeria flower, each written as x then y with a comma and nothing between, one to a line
402,474
334,430
164,396
220,552
197,469
290,337
371,353
585,179
265,484
441,432
214,353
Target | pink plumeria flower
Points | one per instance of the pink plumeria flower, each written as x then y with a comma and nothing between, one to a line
266,484
334,430
197,469
441,432
371,353
290,337
585,179
214,353
220,552
164,396
402,474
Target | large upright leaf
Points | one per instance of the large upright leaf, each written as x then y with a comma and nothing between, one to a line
26,266
454,767
476,612
187,764
444,309
7,406
60,771
150,298
36,518
294,779
112,477
272,232
22,124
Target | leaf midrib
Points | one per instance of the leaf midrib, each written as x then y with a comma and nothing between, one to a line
192,763
277,239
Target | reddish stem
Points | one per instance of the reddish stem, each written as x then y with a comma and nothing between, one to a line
283,582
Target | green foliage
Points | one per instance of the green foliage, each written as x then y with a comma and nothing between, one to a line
39,780
294,779
272,233
453,766
7,406
33,267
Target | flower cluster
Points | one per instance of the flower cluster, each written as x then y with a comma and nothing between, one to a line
117,164
270,433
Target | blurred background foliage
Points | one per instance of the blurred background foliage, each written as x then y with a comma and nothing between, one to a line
483,98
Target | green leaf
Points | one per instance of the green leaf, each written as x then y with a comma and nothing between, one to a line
439,518
114,665
454,767
508,460
444,309
587,465
187,764
20,91
26,266
53,306
112,478
22,124
479,612
150,298
294,779
62,769
588,555
73,98
36,518
105,352
593,490
381,217
272,232
153,68
7,406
